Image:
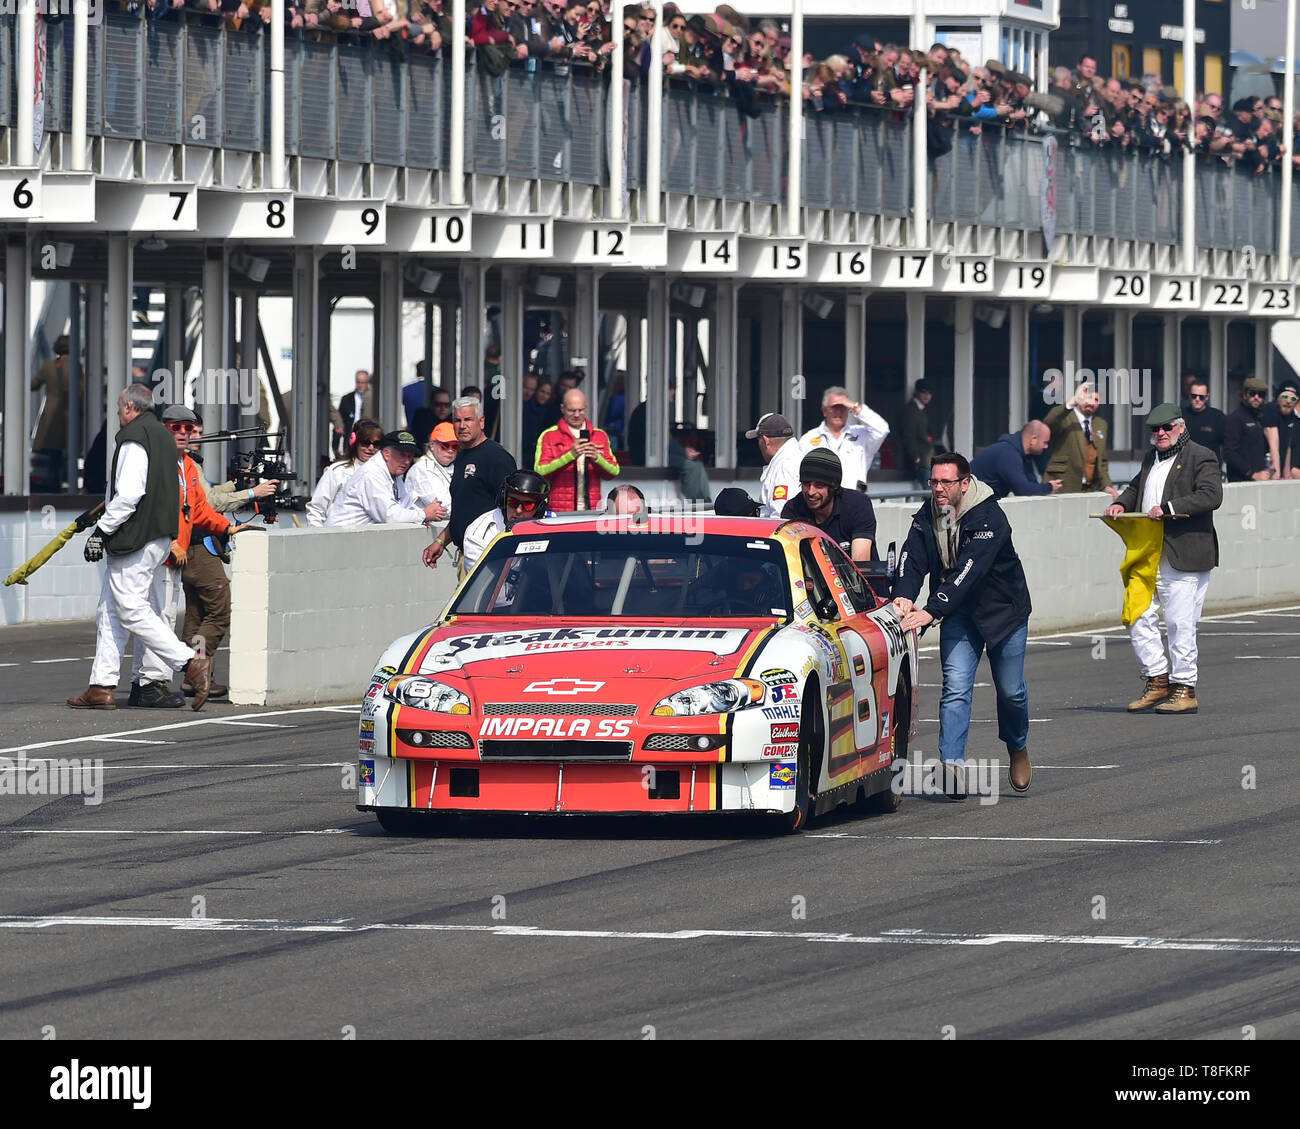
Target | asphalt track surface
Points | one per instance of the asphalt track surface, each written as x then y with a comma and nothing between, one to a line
227,888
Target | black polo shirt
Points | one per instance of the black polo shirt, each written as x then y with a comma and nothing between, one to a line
1206,427
476,476
852,516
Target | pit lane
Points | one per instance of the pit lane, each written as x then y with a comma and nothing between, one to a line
225,887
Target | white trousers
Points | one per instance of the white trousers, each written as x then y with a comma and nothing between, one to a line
127,607
165,598
1180,596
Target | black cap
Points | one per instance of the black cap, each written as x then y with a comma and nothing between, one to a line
734,502
820,465
772,426
402,441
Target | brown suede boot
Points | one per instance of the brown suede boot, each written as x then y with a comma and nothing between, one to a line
95,698
1021,769
1182,699
1157,691
198,673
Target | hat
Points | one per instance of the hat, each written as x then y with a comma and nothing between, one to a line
1290,384
444,433
772,426
1164,413
820,465
734,502
1254,384
923,385
402,441
1244,106
178,413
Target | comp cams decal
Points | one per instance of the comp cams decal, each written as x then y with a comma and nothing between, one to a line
779,751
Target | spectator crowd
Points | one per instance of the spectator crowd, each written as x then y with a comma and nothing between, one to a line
751,59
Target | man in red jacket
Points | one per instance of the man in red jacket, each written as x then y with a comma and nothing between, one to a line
575,457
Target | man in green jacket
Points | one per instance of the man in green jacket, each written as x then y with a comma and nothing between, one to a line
1078,454
140,521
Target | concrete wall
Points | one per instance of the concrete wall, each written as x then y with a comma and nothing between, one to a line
65,587
315,608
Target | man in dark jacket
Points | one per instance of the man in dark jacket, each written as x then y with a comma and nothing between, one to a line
961,540
1180,485
1206,425
1007,466
1245,446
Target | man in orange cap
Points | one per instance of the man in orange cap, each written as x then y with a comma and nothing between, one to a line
429,478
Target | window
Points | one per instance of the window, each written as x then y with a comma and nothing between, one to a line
850,577
818,590
1153,61
1121,62
1213,74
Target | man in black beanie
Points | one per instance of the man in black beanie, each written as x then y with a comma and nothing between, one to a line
847,518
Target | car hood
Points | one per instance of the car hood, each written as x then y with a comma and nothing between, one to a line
563,661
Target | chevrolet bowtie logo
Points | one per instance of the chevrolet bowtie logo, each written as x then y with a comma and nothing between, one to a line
563,686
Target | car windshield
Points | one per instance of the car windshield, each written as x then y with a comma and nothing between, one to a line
629,574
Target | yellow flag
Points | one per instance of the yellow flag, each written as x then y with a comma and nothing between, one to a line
1143,541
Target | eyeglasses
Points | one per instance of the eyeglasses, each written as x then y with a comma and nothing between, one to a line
1287,398
1164,427
944,482
1198,395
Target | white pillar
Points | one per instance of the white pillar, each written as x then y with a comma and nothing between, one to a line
724,334
1288,139
770,375
617,119
920,151
117,318
1072,335
456,154
174,327
472,287
1171,357
80,62
1018,406
510,415
76,388
584,334
96,410
1263,351
305,440
915,303
24,154
18,281
1189,158
1121,438
276,177
216,303
794,178
653,125
855,345
388,338
657,349
963,377
791,400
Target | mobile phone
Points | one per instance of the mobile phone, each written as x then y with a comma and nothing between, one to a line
585,435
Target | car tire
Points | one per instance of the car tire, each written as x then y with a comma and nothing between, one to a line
889,801
802,814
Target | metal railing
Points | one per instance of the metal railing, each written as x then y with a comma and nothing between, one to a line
174,81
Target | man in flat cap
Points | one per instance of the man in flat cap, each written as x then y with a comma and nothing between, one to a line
847,517
377,493
781,453
1180,486
1245,444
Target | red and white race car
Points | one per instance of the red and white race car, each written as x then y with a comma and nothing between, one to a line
601,664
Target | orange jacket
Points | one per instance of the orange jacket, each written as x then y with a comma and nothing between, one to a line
201,514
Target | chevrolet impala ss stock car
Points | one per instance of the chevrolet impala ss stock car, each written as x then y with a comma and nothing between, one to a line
593,664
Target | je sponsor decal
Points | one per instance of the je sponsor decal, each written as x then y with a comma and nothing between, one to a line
779,750
787,712
786,731
374,691
777,677
781,776
782,693
563,686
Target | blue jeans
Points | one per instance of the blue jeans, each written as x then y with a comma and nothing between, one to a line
960,647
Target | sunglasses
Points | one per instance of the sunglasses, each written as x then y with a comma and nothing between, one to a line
1253,395
1164,427
368,442
1198,395
1288,399
180,428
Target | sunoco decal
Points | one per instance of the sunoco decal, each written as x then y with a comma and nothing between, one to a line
781,776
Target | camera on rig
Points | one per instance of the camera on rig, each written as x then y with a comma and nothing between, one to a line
249,468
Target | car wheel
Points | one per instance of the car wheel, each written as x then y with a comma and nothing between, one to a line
809,737
883,803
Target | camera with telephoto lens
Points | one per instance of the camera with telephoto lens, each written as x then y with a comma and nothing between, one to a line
249,468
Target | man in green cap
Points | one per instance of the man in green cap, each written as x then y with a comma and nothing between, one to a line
1179,484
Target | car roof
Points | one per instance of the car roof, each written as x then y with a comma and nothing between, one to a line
652,523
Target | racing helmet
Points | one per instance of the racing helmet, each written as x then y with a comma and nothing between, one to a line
528,486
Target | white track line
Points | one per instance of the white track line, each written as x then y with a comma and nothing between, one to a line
44,662
167,728
131,741
1266,656
534,932
1018,839
256,724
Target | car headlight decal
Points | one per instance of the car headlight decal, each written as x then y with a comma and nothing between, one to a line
423,693
712,698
